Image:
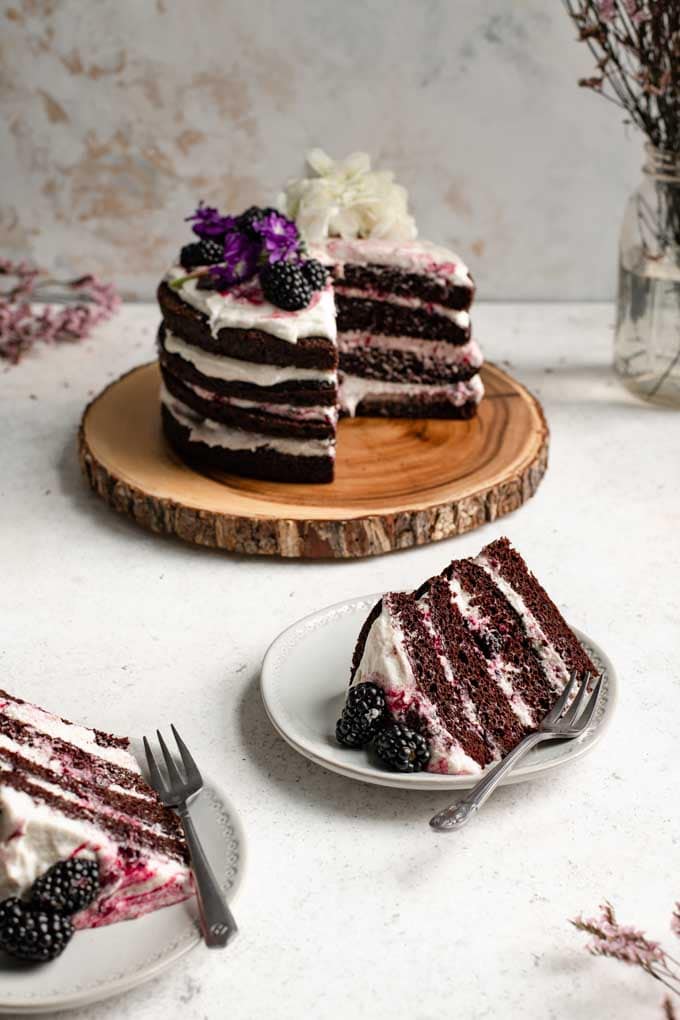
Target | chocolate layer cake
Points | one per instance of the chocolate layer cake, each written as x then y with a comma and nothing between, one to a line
249,386
473,659
67,790
404,333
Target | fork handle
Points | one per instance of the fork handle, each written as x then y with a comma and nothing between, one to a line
217,922
455,816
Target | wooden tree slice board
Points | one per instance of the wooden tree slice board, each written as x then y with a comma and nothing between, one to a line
399,482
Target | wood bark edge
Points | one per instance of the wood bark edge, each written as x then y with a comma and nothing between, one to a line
355,537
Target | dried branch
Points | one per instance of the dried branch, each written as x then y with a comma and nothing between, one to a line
22,326
636,49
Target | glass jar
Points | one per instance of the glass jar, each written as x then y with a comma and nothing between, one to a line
647,341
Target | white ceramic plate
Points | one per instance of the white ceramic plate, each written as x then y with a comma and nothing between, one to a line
304,681
106,961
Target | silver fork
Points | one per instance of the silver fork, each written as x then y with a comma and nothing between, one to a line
217,923
561,722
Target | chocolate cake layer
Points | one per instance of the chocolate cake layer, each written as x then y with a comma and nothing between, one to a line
401,366
388,319
376,406
390,280
251,345
262,418
260,463
302,392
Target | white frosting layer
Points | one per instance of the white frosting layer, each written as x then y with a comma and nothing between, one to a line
428,351
245,307
213,433
34,834
354,388
296,412
411,256
33,837
385,661
461,319
218,366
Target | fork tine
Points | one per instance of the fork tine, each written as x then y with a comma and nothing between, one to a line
154,771
193,775
570,717
554,712
173,771
582,723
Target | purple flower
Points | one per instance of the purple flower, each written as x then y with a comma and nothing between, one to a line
607,9
240,260
208,222
279,236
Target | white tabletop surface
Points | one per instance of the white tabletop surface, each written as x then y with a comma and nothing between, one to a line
351,906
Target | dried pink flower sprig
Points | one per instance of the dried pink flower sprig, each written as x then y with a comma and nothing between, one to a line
22,325
631,945
636,46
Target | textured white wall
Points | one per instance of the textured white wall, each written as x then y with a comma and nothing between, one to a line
118,114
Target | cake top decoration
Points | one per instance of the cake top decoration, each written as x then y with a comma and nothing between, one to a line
261,243
345,198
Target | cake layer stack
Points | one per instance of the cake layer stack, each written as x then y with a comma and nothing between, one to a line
404,332
248,387
472,660
67,790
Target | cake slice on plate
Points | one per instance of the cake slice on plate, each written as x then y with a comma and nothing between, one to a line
471,661
68,792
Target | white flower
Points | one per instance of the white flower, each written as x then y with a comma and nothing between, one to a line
348,199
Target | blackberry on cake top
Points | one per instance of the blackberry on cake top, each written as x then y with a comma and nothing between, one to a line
259,242
285,286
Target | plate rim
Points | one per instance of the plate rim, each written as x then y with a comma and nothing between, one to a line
423,781
125,983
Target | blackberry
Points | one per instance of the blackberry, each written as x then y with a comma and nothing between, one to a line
352,731
68,886
402,749
30,932
284,285
251,216
362,715
191,256
367,699
314,273
212,251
